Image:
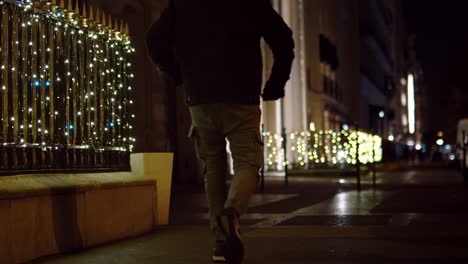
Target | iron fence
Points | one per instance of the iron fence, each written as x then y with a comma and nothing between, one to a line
65,83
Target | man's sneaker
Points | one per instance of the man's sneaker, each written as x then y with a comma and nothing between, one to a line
218,252
228,223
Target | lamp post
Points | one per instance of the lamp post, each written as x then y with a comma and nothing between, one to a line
262,179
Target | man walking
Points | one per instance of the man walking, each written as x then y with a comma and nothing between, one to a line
213,48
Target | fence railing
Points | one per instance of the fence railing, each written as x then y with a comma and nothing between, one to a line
320,149
65,82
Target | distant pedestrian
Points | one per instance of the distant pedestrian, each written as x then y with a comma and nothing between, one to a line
213,48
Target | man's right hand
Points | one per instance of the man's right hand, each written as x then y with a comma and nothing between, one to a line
272,92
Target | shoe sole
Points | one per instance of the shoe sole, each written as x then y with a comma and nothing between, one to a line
219,259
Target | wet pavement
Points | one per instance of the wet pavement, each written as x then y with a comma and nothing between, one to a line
414,216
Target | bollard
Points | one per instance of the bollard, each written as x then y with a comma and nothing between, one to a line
358,162
285,159
262,179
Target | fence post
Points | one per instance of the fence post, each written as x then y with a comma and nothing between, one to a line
262,179
464,172
2,158
374,180
285,159
358,162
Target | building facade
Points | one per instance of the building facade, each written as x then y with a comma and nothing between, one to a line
409,103
324,79
354,63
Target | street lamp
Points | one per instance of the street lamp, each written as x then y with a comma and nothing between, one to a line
440,142
382,114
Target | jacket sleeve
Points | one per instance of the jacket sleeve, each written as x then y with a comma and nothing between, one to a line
160,43
279,38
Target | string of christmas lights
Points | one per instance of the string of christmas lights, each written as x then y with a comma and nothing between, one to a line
65,82
325,148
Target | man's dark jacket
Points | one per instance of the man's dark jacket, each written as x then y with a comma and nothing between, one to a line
213,47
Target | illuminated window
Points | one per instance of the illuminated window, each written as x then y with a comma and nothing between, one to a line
404,120
312,126
403,99
403,81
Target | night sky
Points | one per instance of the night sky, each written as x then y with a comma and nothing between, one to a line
441,29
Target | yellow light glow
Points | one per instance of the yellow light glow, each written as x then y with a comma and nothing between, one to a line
323,148
312,126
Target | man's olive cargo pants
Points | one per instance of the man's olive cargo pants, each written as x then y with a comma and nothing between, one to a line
212,124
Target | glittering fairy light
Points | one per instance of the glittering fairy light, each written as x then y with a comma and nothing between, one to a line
55,61
321,148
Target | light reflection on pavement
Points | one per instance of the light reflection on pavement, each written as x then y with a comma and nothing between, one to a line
346,203
348,206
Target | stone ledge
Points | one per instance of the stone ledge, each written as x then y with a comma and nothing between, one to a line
13,187
44,214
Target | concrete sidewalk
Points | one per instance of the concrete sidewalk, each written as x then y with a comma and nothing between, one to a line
294,245
412,217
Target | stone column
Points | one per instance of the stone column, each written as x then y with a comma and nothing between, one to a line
294,103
